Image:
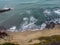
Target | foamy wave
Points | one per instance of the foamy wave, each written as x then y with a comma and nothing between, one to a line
28,23
32,19
25,19
57,20
13,29
57,11
31,25
48,12
43,25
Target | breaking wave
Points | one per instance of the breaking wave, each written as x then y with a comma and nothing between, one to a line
36,19
29,18
28,23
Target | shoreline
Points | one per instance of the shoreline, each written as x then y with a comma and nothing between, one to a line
22,38
12,30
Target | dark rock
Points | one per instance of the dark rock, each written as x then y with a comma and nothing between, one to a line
3,34
50,25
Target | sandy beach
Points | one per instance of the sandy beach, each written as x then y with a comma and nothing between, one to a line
23,38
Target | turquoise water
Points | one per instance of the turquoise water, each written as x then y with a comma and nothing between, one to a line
27,13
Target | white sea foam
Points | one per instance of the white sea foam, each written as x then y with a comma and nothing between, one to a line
25,19
28,26
13,29
43,26
47,12
32,19
6,8
56,20
57,11
28,23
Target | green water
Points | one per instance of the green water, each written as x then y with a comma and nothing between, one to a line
26,8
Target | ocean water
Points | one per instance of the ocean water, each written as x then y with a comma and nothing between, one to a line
29,14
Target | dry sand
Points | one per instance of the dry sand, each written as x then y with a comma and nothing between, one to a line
22,38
